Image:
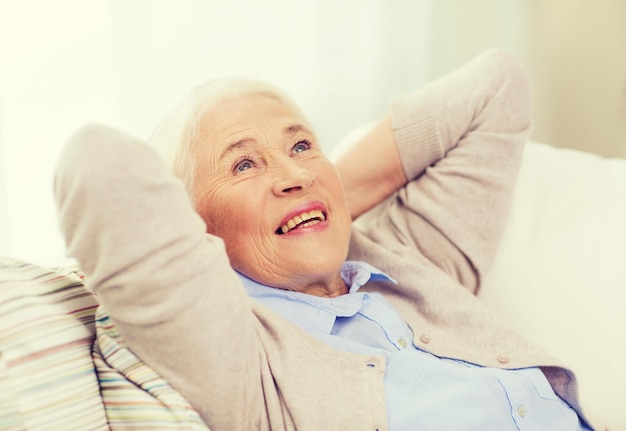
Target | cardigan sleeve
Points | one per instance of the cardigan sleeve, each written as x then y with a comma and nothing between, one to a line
165,283
460,139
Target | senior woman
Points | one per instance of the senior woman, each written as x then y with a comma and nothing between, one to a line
268,311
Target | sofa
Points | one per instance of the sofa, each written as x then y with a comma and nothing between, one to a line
559,277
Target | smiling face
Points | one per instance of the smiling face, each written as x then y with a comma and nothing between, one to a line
265,187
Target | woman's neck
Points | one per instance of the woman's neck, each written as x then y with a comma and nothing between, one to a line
331,289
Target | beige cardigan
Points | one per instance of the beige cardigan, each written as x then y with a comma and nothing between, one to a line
180,307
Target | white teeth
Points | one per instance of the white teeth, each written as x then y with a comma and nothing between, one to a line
312,217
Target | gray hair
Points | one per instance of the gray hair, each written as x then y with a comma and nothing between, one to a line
178,133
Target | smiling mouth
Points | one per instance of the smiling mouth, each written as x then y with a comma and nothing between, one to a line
305,219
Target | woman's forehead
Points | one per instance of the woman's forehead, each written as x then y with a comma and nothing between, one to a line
243,118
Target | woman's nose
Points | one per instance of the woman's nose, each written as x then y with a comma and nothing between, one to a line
291,178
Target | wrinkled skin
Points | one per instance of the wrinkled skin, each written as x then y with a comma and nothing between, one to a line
258,164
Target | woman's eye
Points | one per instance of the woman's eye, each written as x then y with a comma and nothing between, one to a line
243,165
301,146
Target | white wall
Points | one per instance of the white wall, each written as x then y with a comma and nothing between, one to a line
462,29
578,66
125,63
55,74
575,54
4,216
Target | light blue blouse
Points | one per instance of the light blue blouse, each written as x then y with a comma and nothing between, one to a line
422,391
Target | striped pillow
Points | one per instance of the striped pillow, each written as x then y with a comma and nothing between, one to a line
135,396
47,377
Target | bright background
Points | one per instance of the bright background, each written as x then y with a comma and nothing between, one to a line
126,62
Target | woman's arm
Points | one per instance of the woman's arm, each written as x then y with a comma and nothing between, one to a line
165,283
371,169
459,141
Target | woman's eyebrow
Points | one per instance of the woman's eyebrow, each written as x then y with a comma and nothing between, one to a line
292,129
236,146
295,129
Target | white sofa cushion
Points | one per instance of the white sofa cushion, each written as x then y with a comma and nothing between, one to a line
559,276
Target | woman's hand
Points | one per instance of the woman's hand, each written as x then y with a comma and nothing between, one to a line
371,169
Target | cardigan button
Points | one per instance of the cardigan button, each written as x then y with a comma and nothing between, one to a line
424,338
503,359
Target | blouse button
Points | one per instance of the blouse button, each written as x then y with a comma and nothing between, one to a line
503,359
424,338
402,342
